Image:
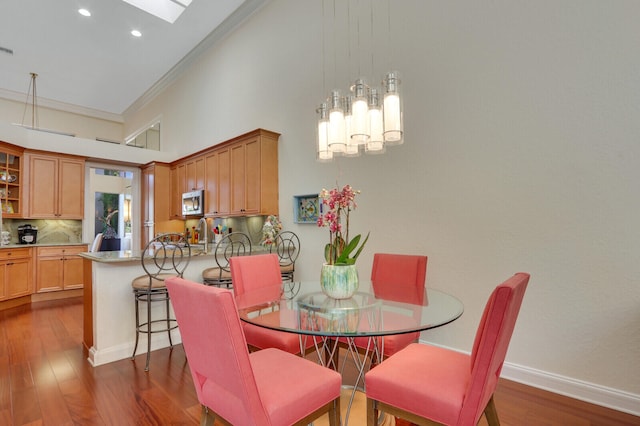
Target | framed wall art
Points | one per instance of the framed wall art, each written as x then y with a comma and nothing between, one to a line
306,208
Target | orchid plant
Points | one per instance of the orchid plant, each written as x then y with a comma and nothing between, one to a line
339,204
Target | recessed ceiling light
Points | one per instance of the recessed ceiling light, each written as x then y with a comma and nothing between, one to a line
84,12
136,33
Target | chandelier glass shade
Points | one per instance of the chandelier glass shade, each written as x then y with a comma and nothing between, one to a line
364,117
324,154
368,119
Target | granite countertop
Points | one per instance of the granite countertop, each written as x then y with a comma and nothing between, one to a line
15,245
112,256
129,255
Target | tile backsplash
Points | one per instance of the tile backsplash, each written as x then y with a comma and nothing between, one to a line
70,231
49,231
250,225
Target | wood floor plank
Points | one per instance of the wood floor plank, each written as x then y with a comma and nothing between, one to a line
80,403
21,377
51,400
61,367
25,406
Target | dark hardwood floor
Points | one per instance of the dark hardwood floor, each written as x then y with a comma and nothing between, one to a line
46,380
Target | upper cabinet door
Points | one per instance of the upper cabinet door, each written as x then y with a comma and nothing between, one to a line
56,187
43,187
252,177
238,178
70,189
194,174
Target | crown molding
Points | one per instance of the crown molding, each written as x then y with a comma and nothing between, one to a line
63,106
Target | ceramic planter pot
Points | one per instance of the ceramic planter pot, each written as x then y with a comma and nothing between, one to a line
339,281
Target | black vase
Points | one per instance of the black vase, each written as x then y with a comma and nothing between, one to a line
111,244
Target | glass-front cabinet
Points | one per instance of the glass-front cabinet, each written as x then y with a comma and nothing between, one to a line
11,179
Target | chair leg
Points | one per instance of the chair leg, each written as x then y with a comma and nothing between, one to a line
334,413
146,368
491,413
372,412
169,322
206,418
135,347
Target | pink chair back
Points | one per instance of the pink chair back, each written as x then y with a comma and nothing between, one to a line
215,346
256,272
399,277
491,344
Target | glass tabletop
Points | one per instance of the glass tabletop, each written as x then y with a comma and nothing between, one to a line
301,307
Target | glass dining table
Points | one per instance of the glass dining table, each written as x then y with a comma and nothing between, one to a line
356,323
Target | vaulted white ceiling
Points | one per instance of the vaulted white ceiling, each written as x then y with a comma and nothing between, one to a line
94,62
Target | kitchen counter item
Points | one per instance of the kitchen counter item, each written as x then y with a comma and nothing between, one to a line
27,234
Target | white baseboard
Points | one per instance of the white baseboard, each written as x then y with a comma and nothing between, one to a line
577,389
102,356
615,399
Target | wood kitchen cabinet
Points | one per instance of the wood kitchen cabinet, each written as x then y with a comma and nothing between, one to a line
186,176
16,273
157,202
56,187
176,192
217,197
11,177
254,174
59,268
194,174
239,176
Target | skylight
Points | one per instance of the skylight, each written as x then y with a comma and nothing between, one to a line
169,10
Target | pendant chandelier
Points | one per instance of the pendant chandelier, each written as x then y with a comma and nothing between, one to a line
363,118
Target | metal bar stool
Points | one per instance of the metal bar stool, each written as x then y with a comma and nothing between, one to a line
167,255
287,246
232,244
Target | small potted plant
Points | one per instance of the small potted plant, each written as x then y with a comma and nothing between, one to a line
339,276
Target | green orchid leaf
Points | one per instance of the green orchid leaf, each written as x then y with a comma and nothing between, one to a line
355,256
344,255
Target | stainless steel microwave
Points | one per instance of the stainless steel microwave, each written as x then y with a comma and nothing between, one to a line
193,203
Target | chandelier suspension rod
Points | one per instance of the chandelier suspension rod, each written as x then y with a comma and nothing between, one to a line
35,122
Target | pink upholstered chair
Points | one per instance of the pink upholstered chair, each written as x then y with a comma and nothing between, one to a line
268,387
428,385
401,278
263,272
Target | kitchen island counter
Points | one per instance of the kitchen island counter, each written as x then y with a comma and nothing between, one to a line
109,314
